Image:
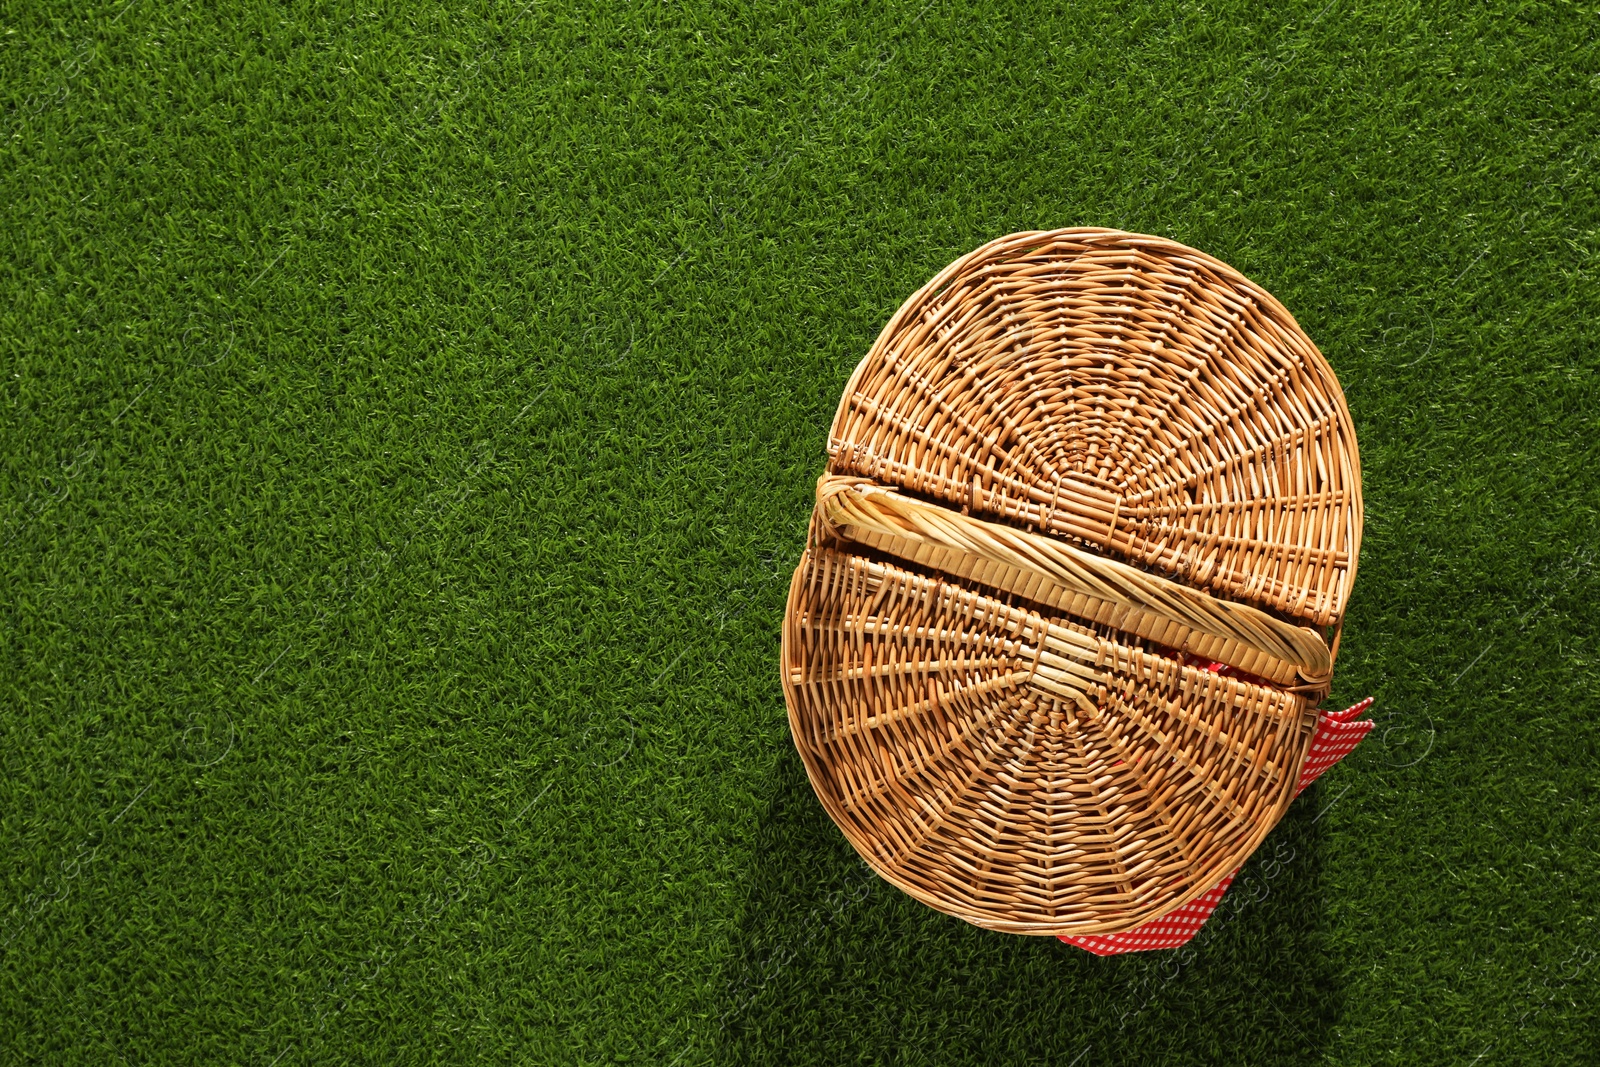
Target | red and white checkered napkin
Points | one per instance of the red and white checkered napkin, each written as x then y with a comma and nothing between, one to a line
1337,735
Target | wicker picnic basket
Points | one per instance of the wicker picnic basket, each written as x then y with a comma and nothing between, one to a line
1077,469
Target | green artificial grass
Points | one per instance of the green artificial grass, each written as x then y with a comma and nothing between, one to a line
410,418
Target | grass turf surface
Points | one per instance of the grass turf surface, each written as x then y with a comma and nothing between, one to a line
410,419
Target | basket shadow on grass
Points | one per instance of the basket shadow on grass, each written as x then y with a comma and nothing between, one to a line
832,965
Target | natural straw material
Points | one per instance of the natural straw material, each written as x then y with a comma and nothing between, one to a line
1073,466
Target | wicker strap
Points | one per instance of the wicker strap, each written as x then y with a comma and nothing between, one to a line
1090,586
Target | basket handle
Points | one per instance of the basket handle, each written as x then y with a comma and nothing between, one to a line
1106,590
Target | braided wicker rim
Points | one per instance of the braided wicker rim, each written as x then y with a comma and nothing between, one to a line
1074,463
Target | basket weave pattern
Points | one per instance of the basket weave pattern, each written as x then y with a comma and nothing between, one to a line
1072,464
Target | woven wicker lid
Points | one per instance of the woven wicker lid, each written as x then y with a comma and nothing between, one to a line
1074,467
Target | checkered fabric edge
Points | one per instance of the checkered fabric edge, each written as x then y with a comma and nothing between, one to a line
1174,928
1337,734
